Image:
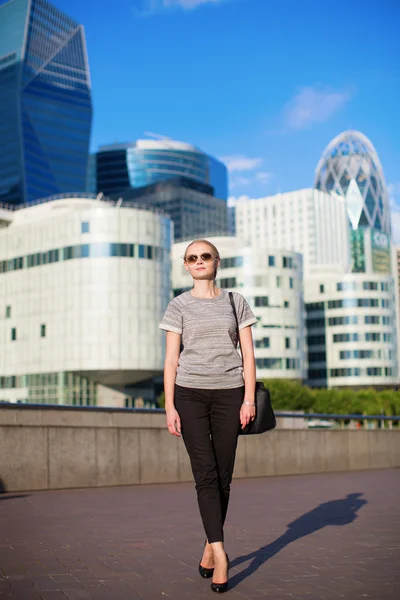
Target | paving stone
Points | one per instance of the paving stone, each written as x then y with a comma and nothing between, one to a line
316,537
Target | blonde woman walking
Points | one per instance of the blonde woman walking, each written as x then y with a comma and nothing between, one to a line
209,392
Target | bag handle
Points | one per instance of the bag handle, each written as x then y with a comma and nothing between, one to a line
236,319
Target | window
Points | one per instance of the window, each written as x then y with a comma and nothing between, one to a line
43,330
370,285
334,321
278,281
263,343
345,337
286,304
372,337
287,343
374,371
315,323
385,303
269,363
287,262
291,282
351,372
228,282
271,261
387,337
292,363
346,286
321,288
8,312
384,287
13,334
385,320
371,320
261,301
316,340
85,228
314,306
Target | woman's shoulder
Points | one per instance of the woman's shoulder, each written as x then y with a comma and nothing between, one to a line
180,300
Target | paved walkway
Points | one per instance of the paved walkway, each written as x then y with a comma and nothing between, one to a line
312,537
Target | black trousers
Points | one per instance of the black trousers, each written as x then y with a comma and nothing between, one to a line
210,428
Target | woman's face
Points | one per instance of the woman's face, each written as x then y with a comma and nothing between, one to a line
201,268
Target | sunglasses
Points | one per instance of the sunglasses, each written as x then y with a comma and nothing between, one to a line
205,257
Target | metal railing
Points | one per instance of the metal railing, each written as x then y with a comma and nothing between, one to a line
339,418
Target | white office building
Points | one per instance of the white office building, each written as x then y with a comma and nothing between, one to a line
311,222
351,330
348,288
84,283
271,280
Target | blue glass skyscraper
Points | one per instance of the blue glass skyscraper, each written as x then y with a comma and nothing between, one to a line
118,167
45,102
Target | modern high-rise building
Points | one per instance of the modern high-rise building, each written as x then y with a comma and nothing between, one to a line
116,167
350,167
45,102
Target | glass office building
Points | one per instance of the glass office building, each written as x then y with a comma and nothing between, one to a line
350,167
117,167
45,102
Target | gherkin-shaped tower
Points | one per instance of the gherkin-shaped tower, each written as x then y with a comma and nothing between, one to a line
350,167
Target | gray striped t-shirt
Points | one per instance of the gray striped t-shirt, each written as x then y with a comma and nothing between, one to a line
209,359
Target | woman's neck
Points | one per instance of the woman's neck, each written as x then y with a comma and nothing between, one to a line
205,289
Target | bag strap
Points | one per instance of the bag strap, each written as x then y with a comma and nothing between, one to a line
236,319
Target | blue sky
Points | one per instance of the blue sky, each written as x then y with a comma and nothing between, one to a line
264,84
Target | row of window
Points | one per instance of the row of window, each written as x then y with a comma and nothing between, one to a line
349,354
13,335
348,320
277,363
348,303
265,343
370,336
357,372
351,286
44,380
95,250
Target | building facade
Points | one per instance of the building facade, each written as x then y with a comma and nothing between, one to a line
117,167
83,286
45,102
311,222
271,280
193,208
351,330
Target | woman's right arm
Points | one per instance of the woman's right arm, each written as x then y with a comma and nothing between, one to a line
170,368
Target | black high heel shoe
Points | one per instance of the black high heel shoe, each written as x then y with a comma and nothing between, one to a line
204,571
220,588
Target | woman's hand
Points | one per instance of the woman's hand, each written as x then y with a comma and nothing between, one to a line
173,421
247,414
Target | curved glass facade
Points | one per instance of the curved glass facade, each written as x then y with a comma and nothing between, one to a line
45,100
350,167
136,165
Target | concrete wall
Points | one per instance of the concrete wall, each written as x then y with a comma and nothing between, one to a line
44,449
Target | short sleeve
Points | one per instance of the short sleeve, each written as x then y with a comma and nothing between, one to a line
172,319
244,313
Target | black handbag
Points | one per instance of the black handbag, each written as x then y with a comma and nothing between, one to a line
265,419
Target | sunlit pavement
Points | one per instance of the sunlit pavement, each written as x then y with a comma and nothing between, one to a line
316,537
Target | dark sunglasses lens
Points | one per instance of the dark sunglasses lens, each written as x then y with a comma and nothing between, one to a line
191,259
206,257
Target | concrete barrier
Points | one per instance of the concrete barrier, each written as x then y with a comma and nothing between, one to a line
47,449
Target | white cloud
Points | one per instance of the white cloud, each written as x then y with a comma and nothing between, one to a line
239,163
264,176
394,203
314,105
150,7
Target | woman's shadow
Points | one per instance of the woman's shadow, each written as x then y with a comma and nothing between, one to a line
335,512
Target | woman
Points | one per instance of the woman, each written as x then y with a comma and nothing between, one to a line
206,398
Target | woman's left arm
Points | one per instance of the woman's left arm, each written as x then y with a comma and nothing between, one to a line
248,409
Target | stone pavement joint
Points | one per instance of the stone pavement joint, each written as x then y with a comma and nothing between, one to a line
313,537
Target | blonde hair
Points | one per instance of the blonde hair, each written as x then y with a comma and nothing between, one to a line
214,248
